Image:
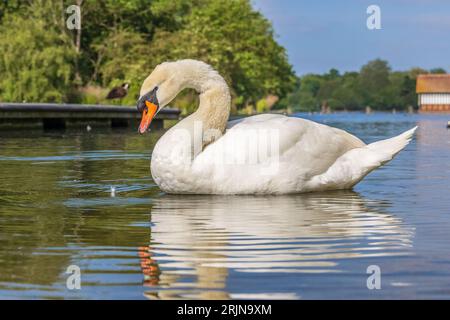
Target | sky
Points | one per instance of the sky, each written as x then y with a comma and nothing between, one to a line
323,34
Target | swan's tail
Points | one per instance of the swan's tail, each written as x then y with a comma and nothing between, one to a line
387,149
355,164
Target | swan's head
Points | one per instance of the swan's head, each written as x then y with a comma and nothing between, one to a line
167,80
159,89
151,101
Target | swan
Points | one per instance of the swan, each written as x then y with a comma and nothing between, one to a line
261,154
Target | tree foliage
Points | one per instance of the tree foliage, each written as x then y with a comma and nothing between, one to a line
375,85
37,60
123,40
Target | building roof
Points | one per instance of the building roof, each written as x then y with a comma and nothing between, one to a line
433,83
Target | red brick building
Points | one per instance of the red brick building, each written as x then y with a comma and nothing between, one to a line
433,92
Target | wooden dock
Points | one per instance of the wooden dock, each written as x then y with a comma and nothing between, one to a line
52,115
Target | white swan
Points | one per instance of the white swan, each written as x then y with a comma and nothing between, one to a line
263,154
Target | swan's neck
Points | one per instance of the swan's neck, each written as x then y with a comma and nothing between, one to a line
213,112
207,123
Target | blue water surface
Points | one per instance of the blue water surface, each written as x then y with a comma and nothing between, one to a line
87,199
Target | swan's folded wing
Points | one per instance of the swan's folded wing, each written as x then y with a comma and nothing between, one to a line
245,139
301,147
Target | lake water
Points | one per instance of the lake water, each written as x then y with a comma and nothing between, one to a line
87,199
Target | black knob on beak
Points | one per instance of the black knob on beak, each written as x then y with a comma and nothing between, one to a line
149,96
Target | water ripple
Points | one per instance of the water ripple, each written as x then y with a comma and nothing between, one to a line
200,239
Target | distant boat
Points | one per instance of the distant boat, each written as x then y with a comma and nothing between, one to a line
118,92
448,124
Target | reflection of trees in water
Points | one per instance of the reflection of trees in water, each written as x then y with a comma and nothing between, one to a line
29,217
196,240
51,209
22,233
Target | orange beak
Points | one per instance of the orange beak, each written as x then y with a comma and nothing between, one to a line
147,116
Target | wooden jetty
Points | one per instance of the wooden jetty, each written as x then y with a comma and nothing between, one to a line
52,115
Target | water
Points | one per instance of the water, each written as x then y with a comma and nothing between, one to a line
87,199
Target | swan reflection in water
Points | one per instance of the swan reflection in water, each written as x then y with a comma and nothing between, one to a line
197,240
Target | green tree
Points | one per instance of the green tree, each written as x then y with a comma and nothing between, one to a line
438,71
236,40
374,80
304,98
375,85
103,20
37,62
123,40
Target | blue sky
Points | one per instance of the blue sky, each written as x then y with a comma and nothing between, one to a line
324,34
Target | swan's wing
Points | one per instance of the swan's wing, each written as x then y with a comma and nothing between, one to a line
234,122
300,146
